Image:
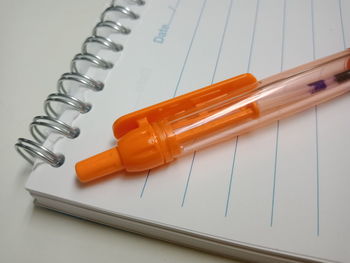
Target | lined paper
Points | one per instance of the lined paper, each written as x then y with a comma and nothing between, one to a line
283,187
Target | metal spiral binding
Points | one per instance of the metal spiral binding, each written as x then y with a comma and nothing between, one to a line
29,149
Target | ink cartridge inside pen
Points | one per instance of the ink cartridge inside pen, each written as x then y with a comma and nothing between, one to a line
161,133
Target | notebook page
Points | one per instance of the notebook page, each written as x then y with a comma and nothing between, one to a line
283,187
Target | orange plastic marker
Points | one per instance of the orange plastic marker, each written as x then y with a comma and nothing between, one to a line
161,133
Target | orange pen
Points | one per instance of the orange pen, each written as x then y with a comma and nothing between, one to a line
163,132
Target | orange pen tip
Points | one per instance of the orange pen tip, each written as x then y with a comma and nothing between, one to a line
100,165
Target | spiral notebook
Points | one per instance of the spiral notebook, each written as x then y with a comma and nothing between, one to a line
279,194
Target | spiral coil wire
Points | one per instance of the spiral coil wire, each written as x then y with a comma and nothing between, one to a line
29,149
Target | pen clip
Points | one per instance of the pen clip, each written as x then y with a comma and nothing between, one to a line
235,86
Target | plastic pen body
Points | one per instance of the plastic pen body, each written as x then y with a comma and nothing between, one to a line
163,132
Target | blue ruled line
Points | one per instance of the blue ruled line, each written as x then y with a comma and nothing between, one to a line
182,70
190,47
231,179
188,180
248,69
253,35
222,40
212,80
278,122
177,86
316,131
283,33
144,185
313,30
174,9
317,176
274,176
342,22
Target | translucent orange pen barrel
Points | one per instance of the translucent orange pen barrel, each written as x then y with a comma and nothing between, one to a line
163,132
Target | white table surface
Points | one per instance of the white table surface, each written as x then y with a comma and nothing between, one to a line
38,40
